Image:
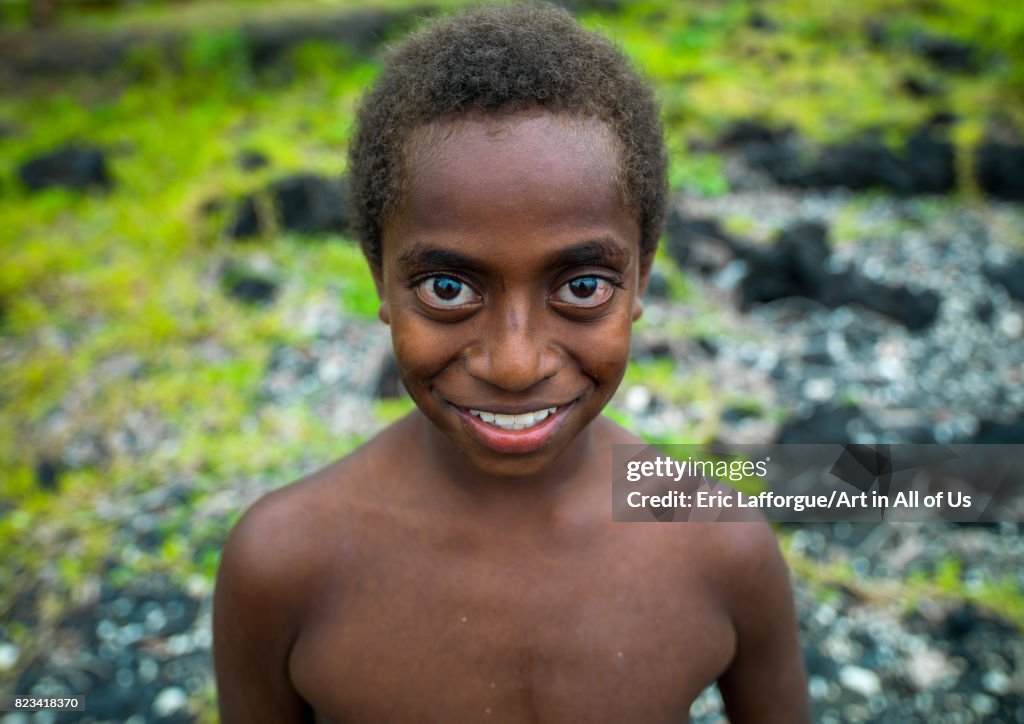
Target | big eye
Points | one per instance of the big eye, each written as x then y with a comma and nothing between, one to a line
585,292
443,292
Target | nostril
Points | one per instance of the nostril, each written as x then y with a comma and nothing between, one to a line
513,367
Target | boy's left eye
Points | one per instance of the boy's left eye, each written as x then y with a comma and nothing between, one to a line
585,292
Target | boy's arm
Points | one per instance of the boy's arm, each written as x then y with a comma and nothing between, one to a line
766,681
256,618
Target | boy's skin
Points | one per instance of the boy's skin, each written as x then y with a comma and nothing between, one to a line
448,571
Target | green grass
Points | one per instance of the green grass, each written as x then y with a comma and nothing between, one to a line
163,15
945,584
88,279
817,72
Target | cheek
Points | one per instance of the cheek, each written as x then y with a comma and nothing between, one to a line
421,353
604,350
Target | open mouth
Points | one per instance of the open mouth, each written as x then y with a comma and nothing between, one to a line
514,422
516,433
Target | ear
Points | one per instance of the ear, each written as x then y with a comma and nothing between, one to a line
638,307
641,288
378,281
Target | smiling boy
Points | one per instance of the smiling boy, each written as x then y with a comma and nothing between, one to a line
508,176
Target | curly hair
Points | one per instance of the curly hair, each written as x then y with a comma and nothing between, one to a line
501,60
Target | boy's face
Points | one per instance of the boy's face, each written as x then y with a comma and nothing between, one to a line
511,277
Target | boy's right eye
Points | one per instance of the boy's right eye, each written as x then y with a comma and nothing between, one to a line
443,292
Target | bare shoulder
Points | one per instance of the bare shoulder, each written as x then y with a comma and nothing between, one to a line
766,680
282,542
275,567
282,537
271,548
747,557
275,554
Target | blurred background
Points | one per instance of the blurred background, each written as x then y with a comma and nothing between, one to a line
186,324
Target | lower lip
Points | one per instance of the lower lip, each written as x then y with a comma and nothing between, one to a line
519,442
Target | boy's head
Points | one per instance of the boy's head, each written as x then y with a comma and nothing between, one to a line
508,174
498,61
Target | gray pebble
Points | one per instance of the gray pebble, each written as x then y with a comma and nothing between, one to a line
169,701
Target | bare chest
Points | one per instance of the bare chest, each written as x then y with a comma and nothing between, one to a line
612,633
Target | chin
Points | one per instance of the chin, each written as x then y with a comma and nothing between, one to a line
514,466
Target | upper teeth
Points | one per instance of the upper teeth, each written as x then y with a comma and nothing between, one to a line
513,422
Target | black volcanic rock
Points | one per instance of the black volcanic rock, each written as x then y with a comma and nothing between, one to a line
1000,433
984,311
930,161
251,160
697,243
859,164
361,29
1010,276
747,131
795,267
759,21
73,166
782,158
251,289
306,203
825,424
48,473
914,310
1000,169
946,53
246,285
919,87
925,165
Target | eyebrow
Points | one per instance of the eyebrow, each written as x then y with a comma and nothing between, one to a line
420,256
595,252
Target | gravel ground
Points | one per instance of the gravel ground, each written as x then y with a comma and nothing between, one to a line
934,385
876,661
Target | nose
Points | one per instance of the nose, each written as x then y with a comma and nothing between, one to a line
516,353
